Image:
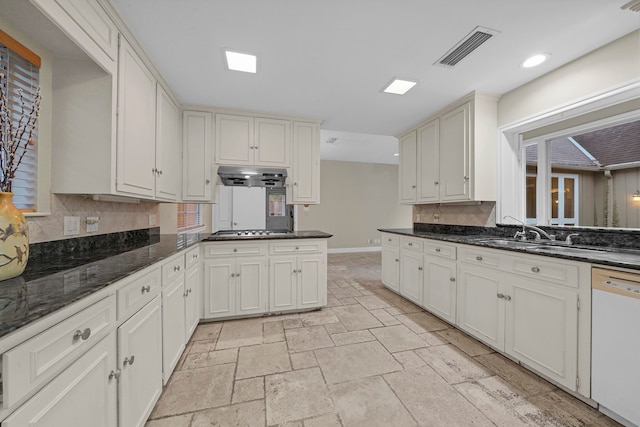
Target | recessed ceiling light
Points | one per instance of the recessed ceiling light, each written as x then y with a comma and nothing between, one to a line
399,86
238,61
396,154
535,60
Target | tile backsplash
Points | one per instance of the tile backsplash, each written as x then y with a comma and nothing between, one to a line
481,214
113,217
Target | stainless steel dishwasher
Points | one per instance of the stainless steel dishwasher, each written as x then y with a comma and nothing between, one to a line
615,344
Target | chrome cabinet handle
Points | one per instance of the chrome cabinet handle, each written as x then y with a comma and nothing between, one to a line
397,260
478,258
297,248
237,274
146,289
160,172
452,279
419,268
535,269
114,374
206,181
233,274
195,256
128,360
176,268
235,250
189,291
410,244
295,183
466,178
437,249
436,183
500,295
84,335
507,298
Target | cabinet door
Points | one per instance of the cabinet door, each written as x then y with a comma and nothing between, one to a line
82,395
283,281
411,275
272,145
454,154
173,326
192,300
440,287
196,156
136,141
167,146
541,328
391,268
140,359
306,163
312,281
480,307
234,140
251,285
428,170
219,294
408,168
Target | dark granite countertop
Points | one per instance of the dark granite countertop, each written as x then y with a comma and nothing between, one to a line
606,256
53,282
63,272
307,234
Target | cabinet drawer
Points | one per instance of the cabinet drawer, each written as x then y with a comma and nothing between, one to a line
226,249
481,257
411,243
191,257
34,362
440,250
390,240
540,268
172,269
133,296
297,246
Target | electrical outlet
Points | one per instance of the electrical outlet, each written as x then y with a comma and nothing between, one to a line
71,225
92,224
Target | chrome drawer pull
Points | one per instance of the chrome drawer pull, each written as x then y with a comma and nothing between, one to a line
437,249
233,274
397,260
478,258
114,374
235,250
82,334
452,279
500,295
176,268
128,360
297,248
420,268
146,289
507,298
535,269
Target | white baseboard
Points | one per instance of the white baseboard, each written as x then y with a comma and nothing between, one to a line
350,250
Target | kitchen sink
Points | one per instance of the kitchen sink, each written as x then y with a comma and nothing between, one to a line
545,246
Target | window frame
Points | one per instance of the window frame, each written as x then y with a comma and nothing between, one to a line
190,228
511,200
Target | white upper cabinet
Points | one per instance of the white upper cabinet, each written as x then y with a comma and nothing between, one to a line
88,25
455,152
136,143
196,156
243,140
168,147
306,164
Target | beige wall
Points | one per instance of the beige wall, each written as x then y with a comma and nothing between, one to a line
609,66
477,214
355,200
114,217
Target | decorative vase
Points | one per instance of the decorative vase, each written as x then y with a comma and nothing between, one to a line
14,238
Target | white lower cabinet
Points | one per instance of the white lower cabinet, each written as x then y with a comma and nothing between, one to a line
297,282
391,267
140,365
235,286
411,275
541,328
439,291
192,285
173,326
85,394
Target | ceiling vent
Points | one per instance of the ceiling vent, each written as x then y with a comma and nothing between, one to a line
466,46
331,140
633,5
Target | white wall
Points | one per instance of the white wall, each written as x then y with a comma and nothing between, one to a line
356,200
612,65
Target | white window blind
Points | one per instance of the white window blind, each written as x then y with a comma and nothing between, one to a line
189,216
22,74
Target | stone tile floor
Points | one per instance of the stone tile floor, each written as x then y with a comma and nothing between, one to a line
370,358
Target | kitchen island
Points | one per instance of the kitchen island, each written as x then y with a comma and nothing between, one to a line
97,329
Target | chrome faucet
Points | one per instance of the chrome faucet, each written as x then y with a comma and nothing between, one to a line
568,239
522,235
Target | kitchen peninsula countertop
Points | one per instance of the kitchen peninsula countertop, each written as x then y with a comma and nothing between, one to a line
54,281
305,234
608,256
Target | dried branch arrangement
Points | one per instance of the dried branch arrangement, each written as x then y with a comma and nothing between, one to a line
15,136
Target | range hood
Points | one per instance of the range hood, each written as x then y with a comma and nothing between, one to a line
250,176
